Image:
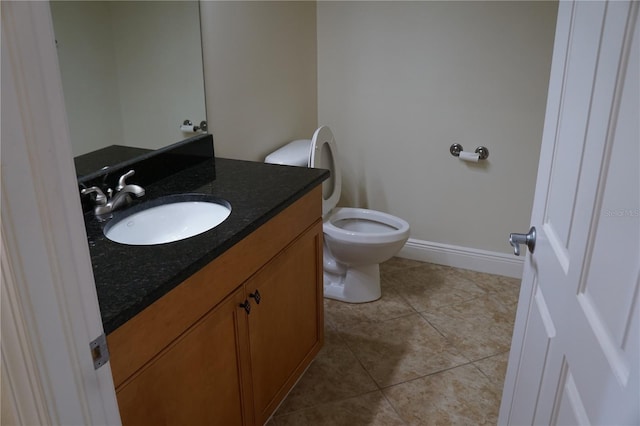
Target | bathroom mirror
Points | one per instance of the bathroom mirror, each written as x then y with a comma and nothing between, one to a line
131,71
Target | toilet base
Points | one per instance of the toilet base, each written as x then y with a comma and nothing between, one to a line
360,284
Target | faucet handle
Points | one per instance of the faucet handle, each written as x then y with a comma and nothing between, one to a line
123,178
136,190
101,199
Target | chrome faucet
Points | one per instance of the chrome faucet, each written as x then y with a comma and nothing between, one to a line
121,197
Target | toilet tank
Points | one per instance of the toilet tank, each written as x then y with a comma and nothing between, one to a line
295,153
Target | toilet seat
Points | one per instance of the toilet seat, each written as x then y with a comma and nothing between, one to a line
350,225
323,154
364,226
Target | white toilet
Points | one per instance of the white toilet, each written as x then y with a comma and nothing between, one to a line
356,241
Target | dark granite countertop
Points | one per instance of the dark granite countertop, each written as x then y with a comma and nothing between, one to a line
130,278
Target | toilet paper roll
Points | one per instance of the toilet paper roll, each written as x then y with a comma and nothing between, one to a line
188,128
469,156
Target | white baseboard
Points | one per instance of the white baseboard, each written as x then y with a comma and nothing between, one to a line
490,262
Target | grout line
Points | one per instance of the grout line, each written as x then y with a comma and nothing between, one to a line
362,365
459,302
482,372
438,330
428,375
311,407
498,386
393,407
489,356
359,323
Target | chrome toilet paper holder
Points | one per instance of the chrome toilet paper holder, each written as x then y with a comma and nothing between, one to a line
187,126
456,149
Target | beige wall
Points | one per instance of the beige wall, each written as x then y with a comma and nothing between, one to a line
260,74
399,82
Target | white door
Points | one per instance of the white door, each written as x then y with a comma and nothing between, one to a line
49,308
574,356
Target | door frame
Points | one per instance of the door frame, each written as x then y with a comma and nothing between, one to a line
50,308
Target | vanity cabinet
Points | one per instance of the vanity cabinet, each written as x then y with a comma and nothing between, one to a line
198,379
198,356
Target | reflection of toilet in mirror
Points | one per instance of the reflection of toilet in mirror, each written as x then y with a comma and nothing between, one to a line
356,240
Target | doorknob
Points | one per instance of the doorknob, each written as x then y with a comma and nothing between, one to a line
529,239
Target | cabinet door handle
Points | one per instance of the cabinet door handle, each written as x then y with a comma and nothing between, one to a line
247,306
256,296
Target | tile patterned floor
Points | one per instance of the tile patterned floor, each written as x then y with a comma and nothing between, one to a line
432,351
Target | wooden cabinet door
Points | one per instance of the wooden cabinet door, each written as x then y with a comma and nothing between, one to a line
200,379
286,327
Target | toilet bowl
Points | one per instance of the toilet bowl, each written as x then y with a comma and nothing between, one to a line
356,240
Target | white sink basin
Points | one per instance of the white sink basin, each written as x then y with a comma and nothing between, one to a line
174,220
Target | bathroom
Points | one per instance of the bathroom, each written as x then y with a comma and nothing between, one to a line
398,83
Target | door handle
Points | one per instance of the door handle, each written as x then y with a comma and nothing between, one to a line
529,239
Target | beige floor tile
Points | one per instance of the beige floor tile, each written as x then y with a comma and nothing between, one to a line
271,422
487,282
371,409
460,396
431,286
477,328
508,297
495,368
401,349
397,263
403,352
335,374
342,315
506,289
514,282
386,272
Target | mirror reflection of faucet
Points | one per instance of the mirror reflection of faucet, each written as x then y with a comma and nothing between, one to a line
120,198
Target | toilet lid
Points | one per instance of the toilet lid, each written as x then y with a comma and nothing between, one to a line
324,155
